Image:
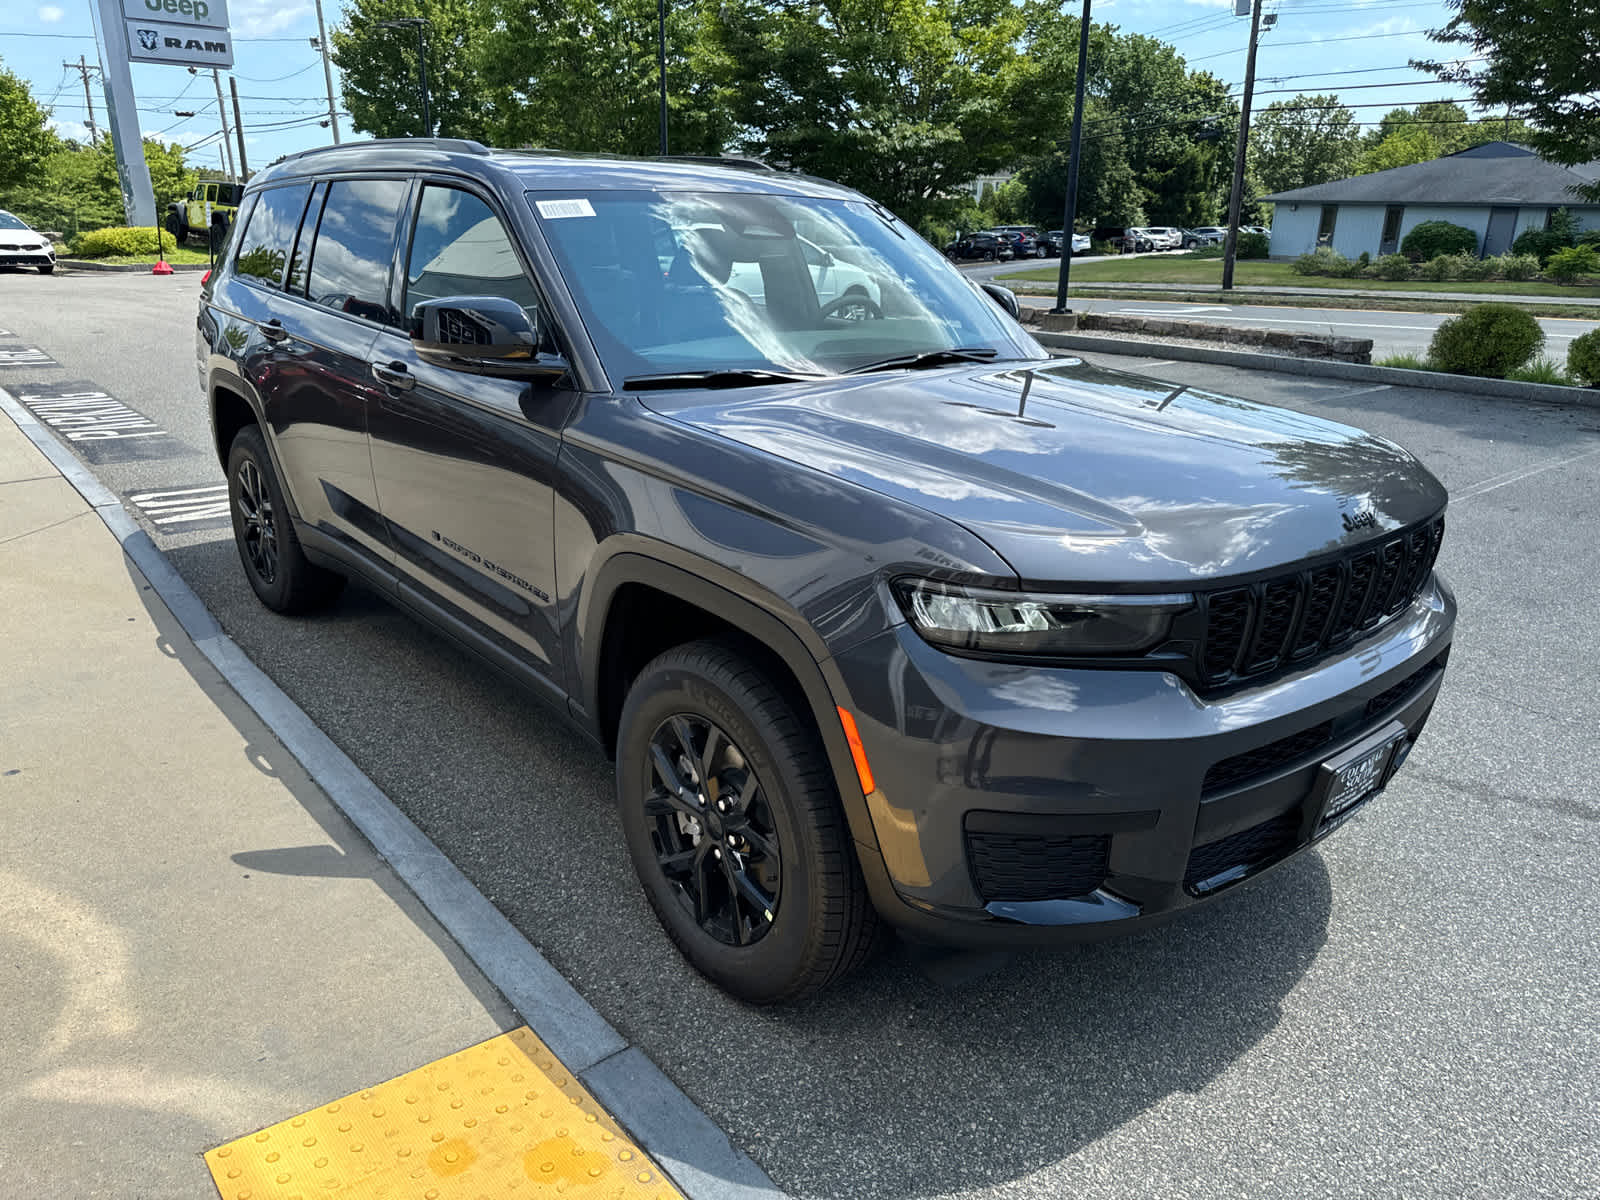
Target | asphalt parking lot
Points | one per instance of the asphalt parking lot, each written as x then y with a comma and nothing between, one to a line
1409,1010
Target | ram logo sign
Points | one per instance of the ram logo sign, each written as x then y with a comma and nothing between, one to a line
179,45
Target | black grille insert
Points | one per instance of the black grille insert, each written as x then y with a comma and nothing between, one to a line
1250,848
1250,631
1388,699
1008,866
1268,758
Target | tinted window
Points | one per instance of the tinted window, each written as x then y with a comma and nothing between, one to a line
461,249
354,248
269,238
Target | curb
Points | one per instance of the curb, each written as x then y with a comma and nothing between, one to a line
1472,385
79,264
686,1143
1213,290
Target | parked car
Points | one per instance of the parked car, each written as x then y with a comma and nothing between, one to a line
22,246
865,645
1204,235
986,246
1023,244
205,213
1111,235
1051,242
1154,237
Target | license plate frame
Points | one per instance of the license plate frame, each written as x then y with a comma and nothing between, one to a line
1351,778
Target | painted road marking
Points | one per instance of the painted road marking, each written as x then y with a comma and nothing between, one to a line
94,423
1169,312
204,507
479,1123
25,356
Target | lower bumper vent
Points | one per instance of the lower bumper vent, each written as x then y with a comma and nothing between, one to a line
1249,848
1009,866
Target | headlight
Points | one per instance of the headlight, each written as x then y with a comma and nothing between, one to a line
996,622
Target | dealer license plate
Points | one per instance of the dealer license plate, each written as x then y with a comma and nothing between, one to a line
1351,777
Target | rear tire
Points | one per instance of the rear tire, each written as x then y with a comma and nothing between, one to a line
219,234
733,822
283,578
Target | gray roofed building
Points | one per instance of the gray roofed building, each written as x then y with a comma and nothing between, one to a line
1497,190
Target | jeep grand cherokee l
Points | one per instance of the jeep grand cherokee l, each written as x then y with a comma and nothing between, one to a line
886,616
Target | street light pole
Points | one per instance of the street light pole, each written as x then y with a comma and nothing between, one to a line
661,66
417,23
1236,196
1072,165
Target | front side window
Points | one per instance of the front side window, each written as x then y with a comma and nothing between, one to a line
354,247
268,239
675,282
460,248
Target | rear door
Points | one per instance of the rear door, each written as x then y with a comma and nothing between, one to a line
465,463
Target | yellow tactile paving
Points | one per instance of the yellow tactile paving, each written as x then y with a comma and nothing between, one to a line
501,1119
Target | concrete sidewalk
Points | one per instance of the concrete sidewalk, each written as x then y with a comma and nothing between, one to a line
196,943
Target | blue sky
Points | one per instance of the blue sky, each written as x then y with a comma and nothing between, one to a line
1356,48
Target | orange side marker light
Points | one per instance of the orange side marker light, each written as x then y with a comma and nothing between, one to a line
857,752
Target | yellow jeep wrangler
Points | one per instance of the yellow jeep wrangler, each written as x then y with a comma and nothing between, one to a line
205,212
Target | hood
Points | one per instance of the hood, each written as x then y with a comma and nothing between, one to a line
1079,475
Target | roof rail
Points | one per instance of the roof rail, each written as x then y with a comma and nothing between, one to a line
457,145
718,160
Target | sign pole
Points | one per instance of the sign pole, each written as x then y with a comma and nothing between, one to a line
133,173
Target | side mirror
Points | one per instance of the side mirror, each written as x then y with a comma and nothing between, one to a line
1005,298
487,334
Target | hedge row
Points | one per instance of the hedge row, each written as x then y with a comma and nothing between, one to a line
118,239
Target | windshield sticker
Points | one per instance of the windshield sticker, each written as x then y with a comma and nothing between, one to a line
555,209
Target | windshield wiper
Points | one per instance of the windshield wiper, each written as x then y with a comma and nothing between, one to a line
929,358
742,377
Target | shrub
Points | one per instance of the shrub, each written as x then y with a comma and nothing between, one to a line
1583,359
1325,262
1253,245
1489,339
118,239
1570,262
1433,238
1214,251
1542,243
1519,267
1443,267
1479,268
1406,362
1364,261
1394,267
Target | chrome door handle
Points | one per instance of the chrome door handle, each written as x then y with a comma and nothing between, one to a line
394,375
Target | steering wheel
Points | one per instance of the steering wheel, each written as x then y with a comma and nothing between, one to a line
859,305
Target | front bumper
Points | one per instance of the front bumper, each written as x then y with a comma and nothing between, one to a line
14,256
1029,805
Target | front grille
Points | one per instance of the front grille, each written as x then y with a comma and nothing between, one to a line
1022,867
1267,758
1251,631
1386,700
1250,848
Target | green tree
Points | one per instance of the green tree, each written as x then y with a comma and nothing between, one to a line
906,100
25,137
382,84
1304,141
1535,60
1408,144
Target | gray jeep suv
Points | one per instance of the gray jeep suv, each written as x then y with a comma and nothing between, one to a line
889,618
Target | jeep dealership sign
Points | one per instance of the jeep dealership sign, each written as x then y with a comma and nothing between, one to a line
184,33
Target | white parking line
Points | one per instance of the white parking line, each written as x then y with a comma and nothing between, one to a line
1500,481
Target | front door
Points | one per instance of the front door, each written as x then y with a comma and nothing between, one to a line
1502,231
465,463
1390,242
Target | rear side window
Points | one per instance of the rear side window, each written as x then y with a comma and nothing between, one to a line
268,239
354,248
460,248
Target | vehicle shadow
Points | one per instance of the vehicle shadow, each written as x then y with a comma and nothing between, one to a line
894,1083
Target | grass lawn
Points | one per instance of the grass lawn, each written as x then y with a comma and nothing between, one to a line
183,254
1201,272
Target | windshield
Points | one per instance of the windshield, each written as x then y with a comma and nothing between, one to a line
7,221
682,282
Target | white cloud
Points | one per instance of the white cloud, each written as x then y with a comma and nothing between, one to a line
263,18
73,131
49,14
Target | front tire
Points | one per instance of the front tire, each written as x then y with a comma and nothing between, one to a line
47,268
283,578
733,822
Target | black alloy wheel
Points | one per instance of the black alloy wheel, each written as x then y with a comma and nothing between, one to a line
714,837
280,574
732,817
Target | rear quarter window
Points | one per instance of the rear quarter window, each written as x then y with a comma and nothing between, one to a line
267,244
354,248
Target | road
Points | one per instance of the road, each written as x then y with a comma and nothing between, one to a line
1391,332
1407,1011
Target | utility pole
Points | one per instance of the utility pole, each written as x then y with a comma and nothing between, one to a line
238,125
661,66
1236,197
222,111
327,73
1072,164
83,68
